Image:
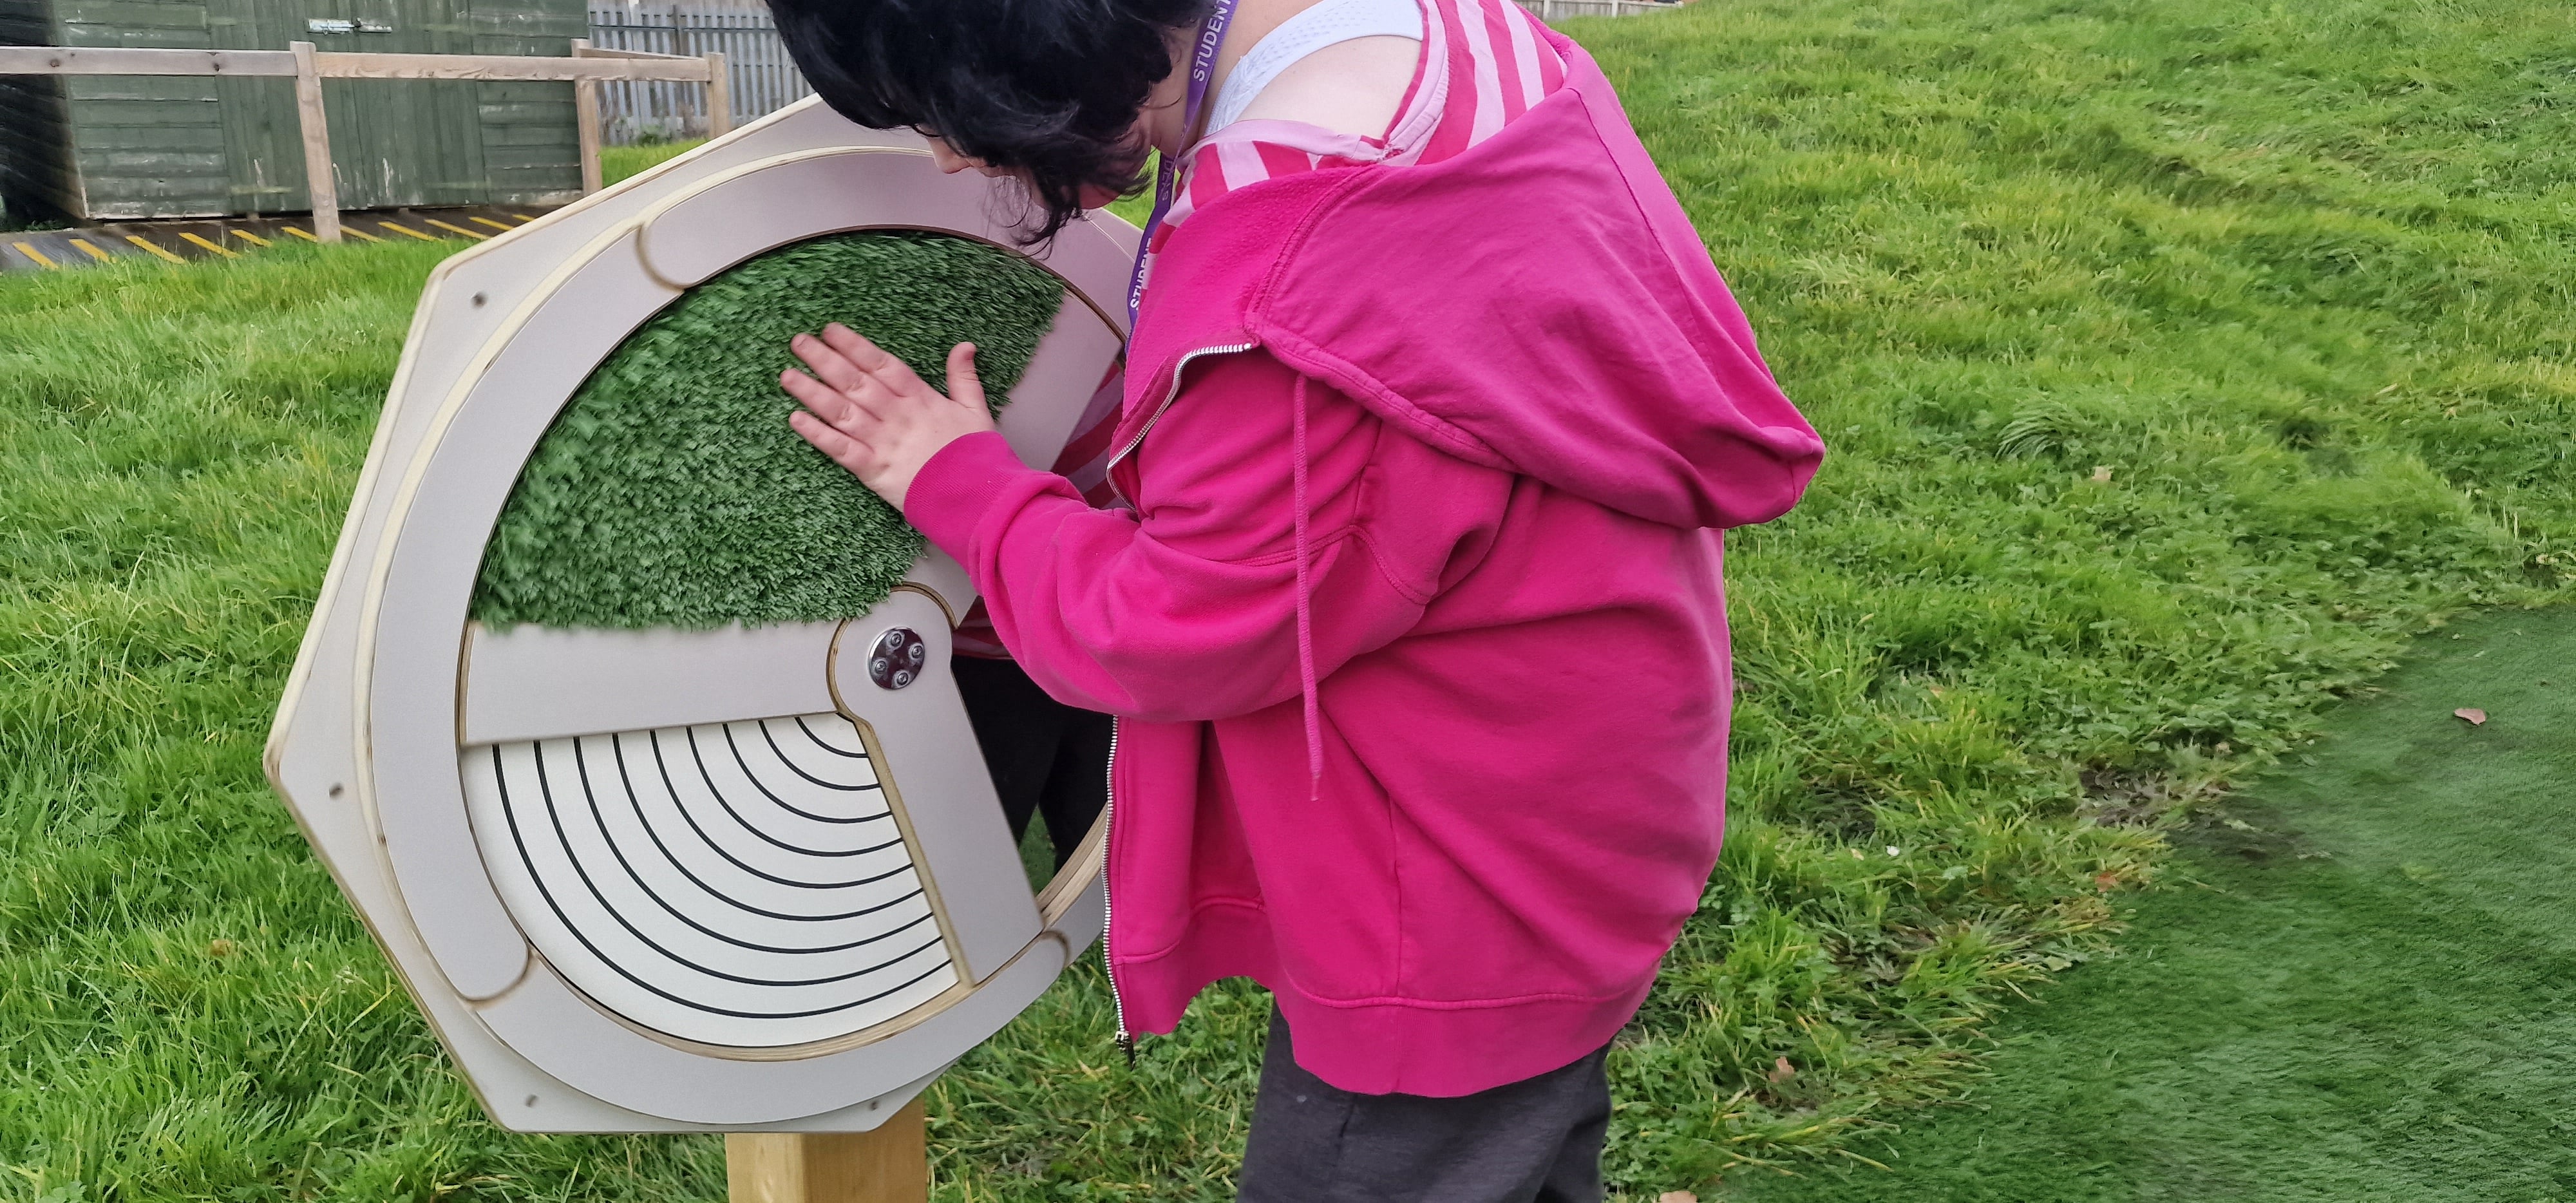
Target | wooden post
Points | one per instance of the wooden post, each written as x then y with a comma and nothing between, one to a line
719,97
316,125
585,110
888,1165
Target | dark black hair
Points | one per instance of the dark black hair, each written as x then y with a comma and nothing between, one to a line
1046,88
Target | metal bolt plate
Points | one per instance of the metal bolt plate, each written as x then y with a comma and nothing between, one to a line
896,659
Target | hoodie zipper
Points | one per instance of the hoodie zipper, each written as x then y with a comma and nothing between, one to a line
1172,394
1109,806
1108,809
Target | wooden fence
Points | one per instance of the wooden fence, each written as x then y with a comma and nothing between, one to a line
763,79
679,70
1552,11
766,80
309,67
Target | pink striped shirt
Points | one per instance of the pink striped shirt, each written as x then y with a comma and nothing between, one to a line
1506,68
1482,64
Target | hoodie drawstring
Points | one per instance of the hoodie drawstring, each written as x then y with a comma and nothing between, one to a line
1305,604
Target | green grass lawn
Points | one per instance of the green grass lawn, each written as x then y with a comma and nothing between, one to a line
2362,992
618,162
2180,362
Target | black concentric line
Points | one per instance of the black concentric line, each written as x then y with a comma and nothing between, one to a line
818,742
765,837
792,766
692,734
581,764
518,838
617,745
554,815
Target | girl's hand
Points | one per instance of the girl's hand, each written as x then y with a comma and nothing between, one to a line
872,415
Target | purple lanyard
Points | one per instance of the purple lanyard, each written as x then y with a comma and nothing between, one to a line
1167,175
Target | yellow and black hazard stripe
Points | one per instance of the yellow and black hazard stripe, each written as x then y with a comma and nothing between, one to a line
183,242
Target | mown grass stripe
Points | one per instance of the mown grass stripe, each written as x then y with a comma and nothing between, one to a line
2383,932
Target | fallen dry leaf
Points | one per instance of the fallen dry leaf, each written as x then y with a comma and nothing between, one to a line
2101,474
2476,717
1677,1196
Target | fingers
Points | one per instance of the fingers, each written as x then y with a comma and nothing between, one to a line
867,355
833,406
964,386
860,459
831,366
872,359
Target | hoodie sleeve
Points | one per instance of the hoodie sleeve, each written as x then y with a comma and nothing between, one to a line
1187,608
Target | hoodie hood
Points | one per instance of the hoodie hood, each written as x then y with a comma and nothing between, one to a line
1537,303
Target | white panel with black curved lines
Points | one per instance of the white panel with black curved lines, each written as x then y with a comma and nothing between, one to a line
739,883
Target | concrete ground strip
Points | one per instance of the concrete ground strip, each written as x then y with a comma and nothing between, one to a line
232,238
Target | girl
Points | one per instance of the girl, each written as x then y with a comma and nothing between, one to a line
1434,409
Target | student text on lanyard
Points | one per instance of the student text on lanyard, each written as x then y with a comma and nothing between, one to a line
1167,175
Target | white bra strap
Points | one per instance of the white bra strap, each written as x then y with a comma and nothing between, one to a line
1327,24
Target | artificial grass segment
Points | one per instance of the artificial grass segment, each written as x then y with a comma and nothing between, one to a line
2359,990
672,493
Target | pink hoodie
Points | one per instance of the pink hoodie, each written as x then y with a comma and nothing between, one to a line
1416,628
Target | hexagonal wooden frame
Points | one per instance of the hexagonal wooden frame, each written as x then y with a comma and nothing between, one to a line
393,680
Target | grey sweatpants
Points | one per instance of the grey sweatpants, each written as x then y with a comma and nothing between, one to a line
1532,1141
